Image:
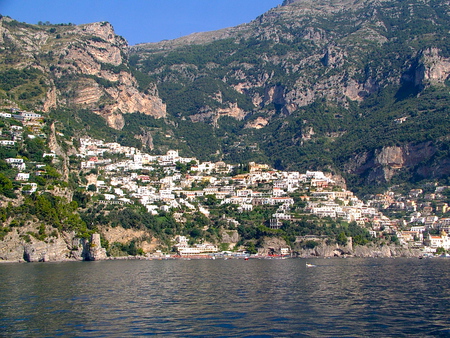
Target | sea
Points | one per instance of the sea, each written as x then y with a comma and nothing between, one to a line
400,297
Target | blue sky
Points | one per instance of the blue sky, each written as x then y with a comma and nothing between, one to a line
141,20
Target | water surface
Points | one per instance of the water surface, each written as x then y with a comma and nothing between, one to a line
227,298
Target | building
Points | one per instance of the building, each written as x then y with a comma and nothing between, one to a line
22,177
441,241
5,143
16,163
184,249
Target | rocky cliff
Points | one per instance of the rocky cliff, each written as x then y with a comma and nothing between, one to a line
84,66
380,166
27,244
32,241
305,51
365,251
386,251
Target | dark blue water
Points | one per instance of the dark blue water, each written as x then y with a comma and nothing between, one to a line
227,298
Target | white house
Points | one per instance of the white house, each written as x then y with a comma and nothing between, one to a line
22,177
32,188
152,209
441,241
16,163
7,143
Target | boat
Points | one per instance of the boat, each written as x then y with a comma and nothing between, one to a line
309,265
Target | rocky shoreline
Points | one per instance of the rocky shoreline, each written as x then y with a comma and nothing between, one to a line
20,247
385,251
99,254
65,247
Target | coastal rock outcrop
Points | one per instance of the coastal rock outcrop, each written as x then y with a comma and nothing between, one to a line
95,252
385,251
362,251
25,244
272,245
230,237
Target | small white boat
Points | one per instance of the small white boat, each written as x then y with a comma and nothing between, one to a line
309,265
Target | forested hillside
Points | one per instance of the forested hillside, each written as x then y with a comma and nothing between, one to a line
318,85
356,92
358,88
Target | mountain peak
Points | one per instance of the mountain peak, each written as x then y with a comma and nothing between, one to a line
330,6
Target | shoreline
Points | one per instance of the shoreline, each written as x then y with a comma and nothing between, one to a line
203,257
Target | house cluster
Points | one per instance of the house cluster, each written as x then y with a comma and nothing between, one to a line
175,189
33,121
20,125
156,182
167,182
326,201
19,122
425,212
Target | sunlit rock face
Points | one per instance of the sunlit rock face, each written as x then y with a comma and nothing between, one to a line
84,66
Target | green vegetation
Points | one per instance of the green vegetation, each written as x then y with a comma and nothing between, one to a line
195,80
290,71
6,186
52,210
12,78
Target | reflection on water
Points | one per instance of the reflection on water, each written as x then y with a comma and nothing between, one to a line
237,298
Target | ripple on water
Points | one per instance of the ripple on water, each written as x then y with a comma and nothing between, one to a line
233,298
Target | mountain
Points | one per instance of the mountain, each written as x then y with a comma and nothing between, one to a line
50,66
356,87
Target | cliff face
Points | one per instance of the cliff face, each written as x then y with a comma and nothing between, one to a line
306,51
84,66
432,67
34,242
20,245
87,65
366,251
379,166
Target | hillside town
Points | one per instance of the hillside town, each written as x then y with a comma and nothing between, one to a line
124,175
323,196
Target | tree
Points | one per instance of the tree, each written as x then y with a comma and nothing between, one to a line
6,186
251,248
35,148
196,233
51,172
4,165
81,198
440,251
310,244
341,239
211,200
